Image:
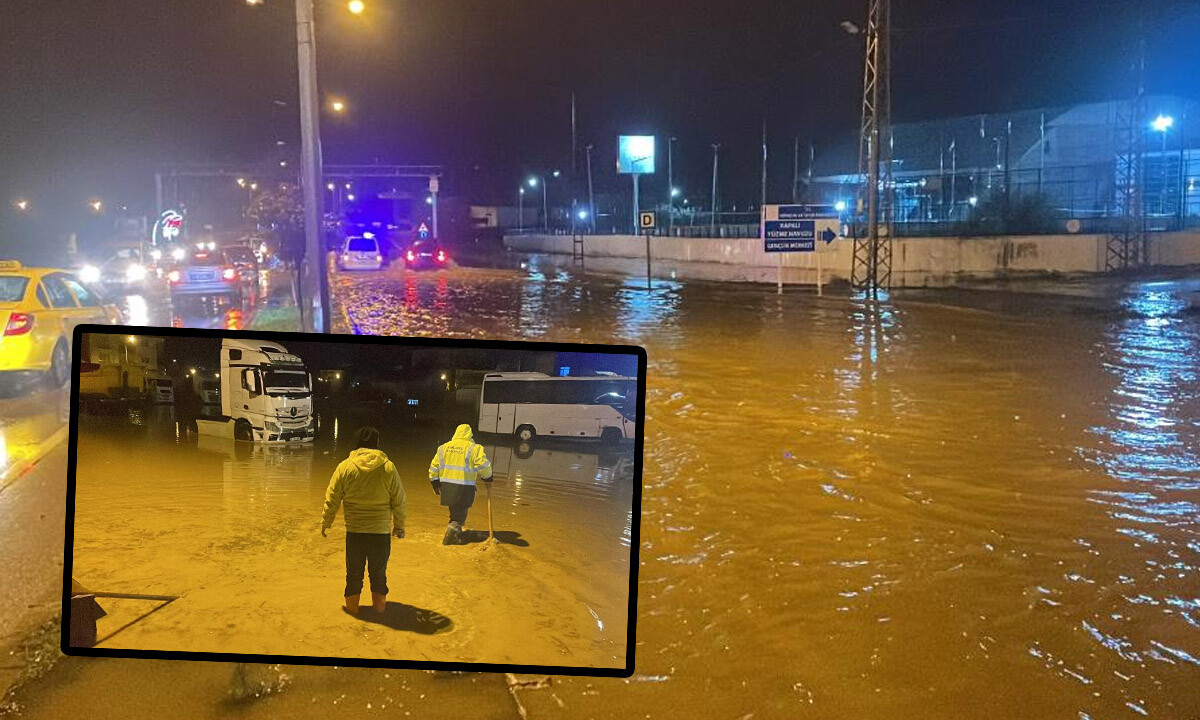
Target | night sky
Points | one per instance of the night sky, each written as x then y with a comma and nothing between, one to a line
95,94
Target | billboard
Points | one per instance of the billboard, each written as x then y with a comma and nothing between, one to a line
635,154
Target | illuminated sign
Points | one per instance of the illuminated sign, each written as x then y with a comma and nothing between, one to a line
168,227
635,154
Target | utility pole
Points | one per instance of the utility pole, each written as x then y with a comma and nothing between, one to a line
591,195
713,219
670,187
315,298
762,198
871,265
574,169
1126,247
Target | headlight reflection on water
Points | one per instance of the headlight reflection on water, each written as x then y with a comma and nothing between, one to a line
137,310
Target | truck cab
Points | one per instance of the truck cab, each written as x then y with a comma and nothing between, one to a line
266,392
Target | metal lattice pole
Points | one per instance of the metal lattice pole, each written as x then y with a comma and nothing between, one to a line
1126,246
872,259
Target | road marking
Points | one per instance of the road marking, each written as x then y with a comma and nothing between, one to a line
23,465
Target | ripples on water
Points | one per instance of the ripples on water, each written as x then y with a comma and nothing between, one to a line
870,510
900,510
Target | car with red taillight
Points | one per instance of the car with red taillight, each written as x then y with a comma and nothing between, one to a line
204,274
39,309
426,254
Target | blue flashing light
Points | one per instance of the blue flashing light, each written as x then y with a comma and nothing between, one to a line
369,235
840,206
564,371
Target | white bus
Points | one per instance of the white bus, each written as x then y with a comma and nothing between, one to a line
528,404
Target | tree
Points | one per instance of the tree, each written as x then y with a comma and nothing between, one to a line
277,206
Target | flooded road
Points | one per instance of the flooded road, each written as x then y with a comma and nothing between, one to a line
956,505
554,592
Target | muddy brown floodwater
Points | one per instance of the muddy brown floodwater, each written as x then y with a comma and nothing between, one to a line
951,506
234,530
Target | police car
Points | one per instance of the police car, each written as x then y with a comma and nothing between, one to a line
39,309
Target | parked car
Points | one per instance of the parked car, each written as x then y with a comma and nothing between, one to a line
360,252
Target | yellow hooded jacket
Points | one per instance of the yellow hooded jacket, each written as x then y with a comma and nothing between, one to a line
459,462
368,486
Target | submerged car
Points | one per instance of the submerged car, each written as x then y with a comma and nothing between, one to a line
426,254
361,252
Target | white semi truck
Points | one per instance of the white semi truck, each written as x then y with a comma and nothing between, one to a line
266,394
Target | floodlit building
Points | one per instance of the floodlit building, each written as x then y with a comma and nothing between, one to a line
1069,156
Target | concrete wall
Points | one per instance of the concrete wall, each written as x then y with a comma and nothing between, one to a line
916,262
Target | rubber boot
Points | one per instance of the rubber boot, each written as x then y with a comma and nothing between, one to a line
379,600
453,535
352,603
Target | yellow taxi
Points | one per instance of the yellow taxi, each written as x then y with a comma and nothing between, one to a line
39,309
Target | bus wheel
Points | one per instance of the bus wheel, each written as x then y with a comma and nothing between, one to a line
526,433
524,451
243,431
611,436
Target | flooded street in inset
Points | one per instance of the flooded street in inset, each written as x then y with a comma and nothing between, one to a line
953,505
234,529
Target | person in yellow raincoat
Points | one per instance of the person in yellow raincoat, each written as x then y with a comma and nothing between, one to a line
367,485
452,472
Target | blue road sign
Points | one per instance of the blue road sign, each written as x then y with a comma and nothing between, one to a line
807,212
789,236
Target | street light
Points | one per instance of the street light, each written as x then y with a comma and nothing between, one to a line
330,186
533,182
520,208
22,204
356,7
338,106
96,205
241,182
1162,124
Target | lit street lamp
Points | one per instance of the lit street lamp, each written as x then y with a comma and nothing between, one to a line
241,182
22,204
1161,125
338,106
520,208
96,205
356,7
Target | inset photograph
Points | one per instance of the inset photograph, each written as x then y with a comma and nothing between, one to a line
356,500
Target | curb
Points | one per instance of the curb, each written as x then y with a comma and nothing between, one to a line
19,469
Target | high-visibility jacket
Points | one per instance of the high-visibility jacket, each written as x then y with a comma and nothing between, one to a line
459,462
